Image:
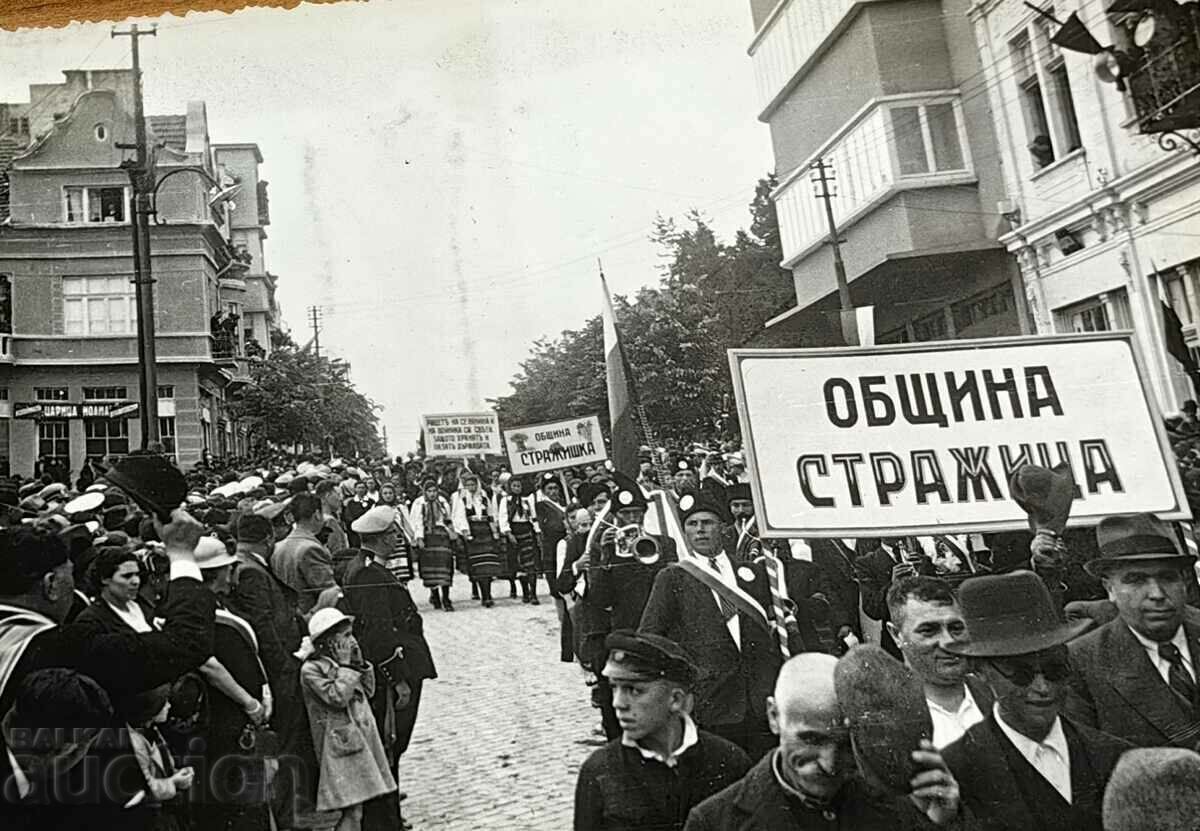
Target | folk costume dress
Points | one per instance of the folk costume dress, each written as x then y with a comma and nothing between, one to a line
431,522
400,561
517,515
473,520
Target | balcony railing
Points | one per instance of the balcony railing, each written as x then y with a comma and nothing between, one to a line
897,143
788,39
1164,80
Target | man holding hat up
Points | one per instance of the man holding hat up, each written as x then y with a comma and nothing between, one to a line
662,765
1025,766
711,613
1136,675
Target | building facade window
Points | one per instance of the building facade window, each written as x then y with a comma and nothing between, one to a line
166,390
54,442
166,433
927,139
1102,313
105,436
98,204
1044,92
105,393
98,305
1180,295
51,394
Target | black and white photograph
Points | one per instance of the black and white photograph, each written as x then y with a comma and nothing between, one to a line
509,415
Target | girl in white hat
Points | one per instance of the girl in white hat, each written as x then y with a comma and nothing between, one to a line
338,685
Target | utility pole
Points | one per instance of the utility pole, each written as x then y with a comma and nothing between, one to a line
314,320
823,176
142,176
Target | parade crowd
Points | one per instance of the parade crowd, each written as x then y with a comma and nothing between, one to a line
238,647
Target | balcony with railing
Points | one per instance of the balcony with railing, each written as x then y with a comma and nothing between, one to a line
788,39
897,143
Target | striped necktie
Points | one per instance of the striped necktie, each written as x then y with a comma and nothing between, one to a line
1178,678
728,611
775,583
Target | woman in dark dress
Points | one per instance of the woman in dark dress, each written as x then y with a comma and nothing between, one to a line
430,518
517,515
473,521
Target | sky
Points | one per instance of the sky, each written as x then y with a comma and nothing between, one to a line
444,175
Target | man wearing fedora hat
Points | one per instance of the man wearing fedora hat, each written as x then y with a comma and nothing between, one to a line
1136,675
1025,766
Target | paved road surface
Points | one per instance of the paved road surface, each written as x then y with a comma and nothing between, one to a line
503,730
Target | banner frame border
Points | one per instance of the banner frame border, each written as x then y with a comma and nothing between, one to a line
1178,512
462,455
504,443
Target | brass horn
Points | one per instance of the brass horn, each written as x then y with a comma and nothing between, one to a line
631,542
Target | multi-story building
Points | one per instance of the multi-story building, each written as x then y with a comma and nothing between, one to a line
1104,221
886,93
69,373
249,216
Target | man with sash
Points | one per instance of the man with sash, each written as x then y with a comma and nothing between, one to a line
715,609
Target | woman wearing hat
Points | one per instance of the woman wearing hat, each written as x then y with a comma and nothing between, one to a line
338,685
431,522
473,519
517,516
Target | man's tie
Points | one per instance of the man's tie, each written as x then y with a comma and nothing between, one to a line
1178,679
774,582
727,609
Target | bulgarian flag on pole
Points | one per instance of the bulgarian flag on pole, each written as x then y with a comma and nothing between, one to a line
621,405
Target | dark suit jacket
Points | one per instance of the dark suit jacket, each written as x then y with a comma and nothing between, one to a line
990,790
101,614
837,565
622,587
732,685
619,789
386,617
1116,689
126,662
269,605
759,803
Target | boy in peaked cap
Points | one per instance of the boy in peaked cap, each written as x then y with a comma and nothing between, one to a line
662,765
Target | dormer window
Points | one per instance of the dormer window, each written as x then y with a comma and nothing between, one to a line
104,204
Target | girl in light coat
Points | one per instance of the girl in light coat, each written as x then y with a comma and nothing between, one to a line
338,685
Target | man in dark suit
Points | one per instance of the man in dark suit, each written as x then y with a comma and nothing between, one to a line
926,622
811,781
714,619
1025,766
1135,677
269,606
662,765
835,558
894,558
392,635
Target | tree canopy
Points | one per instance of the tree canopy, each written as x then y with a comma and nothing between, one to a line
299,398
711,296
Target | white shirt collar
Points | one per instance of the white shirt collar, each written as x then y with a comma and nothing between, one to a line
690,737
1179,640
1056,739
950,725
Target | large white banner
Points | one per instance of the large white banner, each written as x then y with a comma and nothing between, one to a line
461,434
576,441
922,438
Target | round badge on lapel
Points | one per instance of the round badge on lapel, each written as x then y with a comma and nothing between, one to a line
746,574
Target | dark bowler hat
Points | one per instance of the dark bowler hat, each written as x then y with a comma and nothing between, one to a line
690,504
1133,538
884,704
253,529
641,656
738,490
1010,614
151,481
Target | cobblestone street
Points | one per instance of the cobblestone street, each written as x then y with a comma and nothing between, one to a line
503,730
